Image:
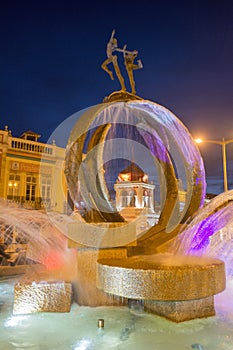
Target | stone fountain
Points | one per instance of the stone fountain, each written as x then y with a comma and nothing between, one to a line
111,255
113,258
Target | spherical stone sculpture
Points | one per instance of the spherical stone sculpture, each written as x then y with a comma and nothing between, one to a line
128,127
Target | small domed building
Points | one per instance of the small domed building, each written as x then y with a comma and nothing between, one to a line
135,196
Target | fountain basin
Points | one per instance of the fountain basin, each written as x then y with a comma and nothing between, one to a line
176,287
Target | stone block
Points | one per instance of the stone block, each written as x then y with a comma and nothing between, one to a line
52,296
101,235
180,311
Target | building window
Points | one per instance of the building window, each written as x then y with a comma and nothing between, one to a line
30,188
133,194
123,199
13,187
46,188
146,198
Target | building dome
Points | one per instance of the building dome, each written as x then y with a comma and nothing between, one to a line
132,173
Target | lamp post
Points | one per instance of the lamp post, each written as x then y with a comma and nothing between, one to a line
223,143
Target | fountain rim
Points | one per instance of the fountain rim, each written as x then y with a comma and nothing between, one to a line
198,261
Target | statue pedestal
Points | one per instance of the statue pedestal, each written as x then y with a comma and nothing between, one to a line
85,290
102,241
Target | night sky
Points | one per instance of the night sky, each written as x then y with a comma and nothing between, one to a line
51,55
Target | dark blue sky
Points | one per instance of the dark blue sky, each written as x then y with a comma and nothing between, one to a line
51,55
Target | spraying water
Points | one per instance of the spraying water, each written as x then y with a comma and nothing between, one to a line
34,238
210,232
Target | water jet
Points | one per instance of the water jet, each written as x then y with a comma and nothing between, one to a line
100,323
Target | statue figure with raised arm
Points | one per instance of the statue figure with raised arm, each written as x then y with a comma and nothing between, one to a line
129,57
111,47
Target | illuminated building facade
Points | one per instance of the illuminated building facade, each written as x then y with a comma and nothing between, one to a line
31,173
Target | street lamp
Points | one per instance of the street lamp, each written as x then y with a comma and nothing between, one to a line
223,143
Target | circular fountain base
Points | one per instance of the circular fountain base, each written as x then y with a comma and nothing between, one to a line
177,287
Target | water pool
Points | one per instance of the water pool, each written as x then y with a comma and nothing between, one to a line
124,328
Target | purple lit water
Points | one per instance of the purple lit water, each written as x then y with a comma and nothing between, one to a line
210,232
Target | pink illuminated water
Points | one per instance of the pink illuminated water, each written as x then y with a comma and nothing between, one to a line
46,244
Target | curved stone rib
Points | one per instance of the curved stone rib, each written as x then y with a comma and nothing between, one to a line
167,178
94,180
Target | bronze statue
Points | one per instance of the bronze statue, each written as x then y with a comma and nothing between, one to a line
111,47
129,57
